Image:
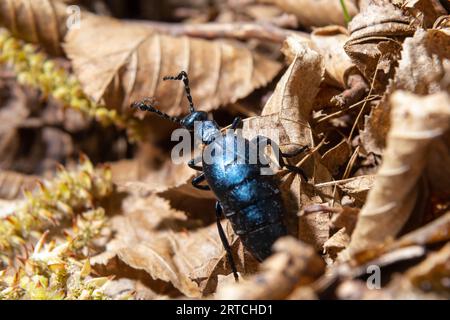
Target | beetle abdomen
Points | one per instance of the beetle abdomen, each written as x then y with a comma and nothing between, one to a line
260,241
255,210
251,201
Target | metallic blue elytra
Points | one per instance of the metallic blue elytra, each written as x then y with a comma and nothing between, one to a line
251,201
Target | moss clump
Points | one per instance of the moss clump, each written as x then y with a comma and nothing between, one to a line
60,268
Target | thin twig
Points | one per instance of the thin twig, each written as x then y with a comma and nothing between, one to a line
355,124
350,164
338,182
343,111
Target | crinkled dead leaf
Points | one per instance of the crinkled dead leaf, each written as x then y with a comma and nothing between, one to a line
344,222
164,243
376,34
438,170
125,289
426,280
293,264
415,123
428,10
398,289
337,156
313,13
170,181
422,70
218,269
432,274
357,268
356,187
340,72
335,244
132,175
329,42
129,62
432,234
395,256
36,21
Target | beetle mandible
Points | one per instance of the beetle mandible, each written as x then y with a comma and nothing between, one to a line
251,201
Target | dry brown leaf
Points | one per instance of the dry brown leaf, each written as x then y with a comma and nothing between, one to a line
422,70
428,10
336,156
398,289
346,218
340,72
432,274
375,41
153,237
293,264
438,170
416,123
317,13
324,99
132,175
36,21
124,288
434,232
344,222
170,181
303,293
426,280
216,268
128,63
335,244
357,268
289,108
329,42
357,187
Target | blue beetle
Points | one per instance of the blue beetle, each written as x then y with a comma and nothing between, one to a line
252,202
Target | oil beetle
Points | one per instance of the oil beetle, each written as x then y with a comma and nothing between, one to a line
251,201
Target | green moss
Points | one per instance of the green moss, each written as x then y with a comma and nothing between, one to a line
57,268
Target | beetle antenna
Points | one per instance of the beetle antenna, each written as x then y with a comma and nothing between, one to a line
146,106
184,77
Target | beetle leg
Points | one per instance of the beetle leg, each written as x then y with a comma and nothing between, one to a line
295,152
192,164
282,155
236,122
291,168
224,240
294,169
199,179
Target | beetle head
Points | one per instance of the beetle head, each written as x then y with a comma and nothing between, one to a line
189,121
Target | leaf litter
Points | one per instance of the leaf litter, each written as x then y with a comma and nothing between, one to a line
370,98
